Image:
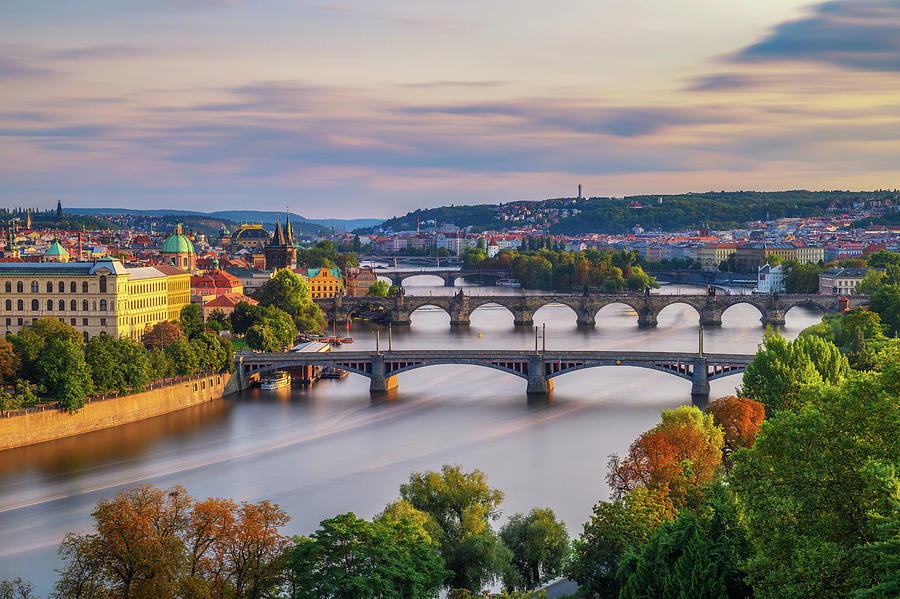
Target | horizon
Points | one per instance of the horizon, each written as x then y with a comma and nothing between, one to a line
346,110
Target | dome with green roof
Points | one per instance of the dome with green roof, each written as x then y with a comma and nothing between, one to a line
177,243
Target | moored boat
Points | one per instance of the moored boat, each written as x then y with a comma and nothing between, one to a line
275,380
508,283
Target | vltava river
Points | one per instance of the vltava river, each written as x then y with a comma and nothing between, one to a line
328,449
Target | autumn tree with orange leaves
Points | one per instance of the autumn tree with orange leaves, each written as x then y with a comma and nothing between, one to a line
680,455
153,543
739,418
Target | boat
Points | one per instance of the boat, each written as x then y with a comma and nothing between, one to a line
509,283
330,372
275,380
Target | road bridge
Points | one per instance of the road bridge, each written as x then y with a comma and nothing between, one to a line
538,368
460,306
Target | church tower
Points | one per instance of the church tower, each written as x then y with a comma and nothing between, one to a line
59,214
280,252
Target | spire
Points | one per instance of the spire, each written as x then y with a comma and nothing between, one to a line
278,240
288,231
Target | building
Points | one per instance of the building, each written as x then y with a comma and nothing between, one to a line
178,250
101,297
323,282
770,279
251,278
711,255
55,253
359,280
215,282
250,236
226,304
841,281
178,289
280,251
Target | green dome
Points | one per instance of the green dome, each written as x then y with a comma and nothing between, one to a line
177,244
56,249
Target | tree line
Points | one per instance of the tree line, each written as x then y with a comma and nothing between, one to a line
551,267
50,360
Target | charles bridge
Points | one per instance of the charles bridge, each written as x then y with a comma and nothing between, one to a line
538,368
772,308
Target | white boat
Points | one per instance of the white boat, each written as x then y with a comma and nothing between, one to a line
509,283
275,380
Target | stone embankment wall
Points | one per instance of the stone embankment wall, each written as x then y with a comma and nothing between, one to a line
19,429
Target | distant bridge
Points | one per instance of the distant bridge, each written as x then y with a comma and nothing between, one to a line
538,368
772,308
449,275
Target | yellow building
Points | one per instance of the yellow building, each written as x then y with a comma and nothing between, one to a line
711,255
178,285
101,297
323,282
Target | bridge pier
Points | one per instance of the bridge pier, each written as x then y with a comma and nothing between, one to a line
700,384
459,318
585,318
449,280
400,317
538,383
711,317
381,384
523,318
647,318
773,317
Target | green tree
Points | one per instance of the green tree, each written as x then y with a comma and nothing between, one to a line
698,556
118,364
191,322
773,259
883,259
161,335
285,291
539,544
261,338
802,278
244,316
885,558
813,488
10,363
614,528
32,340
184,358
212,355
352,558
65,374
461,506
218,321
886,302
379,289
782,370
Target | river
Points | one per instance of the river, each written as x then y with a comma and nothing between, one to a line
327,449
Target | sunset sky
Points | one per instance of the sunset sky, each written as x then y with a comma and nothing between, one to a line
368,109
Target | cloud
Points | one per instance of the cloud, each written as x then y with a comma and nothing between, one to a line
99,51
81,131
12,67
439,84
855,34
721,81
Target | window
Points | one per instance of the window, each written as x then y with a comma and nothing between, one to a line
84,287
34,287
8,322
19,322
20,305
102,322
34,305
72,322
84,321
103,305
84,305
49,305
73,306
62,305
19,287
8,287
103,284
73,287
9,305
49,287
61,288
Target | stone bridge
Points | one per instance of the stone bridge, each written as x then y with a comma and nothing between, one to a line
538,368
772,308
449,275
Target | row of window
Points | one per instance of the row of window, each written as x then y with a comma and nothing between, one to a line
60,286
72,321
73,305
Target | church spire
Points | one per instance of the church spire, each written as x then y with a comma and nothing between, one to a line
288,231
278,240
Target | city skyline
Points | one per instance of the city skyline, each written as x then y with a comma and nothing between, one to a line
350,110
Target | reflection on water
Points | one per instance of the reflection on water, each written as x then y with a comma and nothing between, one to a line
327,449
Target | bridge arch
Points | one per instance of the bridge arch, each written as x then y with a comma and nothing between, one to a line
494,366
570,311
759,309
283,366
685,373
493,304
609,307
695,309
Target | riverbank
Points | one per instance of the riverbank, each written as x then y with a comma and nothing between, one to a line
44,423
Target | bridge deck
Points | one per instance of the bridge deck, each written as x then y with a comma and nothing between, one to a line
250,357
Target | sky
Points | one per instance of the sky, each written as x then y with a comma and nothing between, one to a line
350,109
